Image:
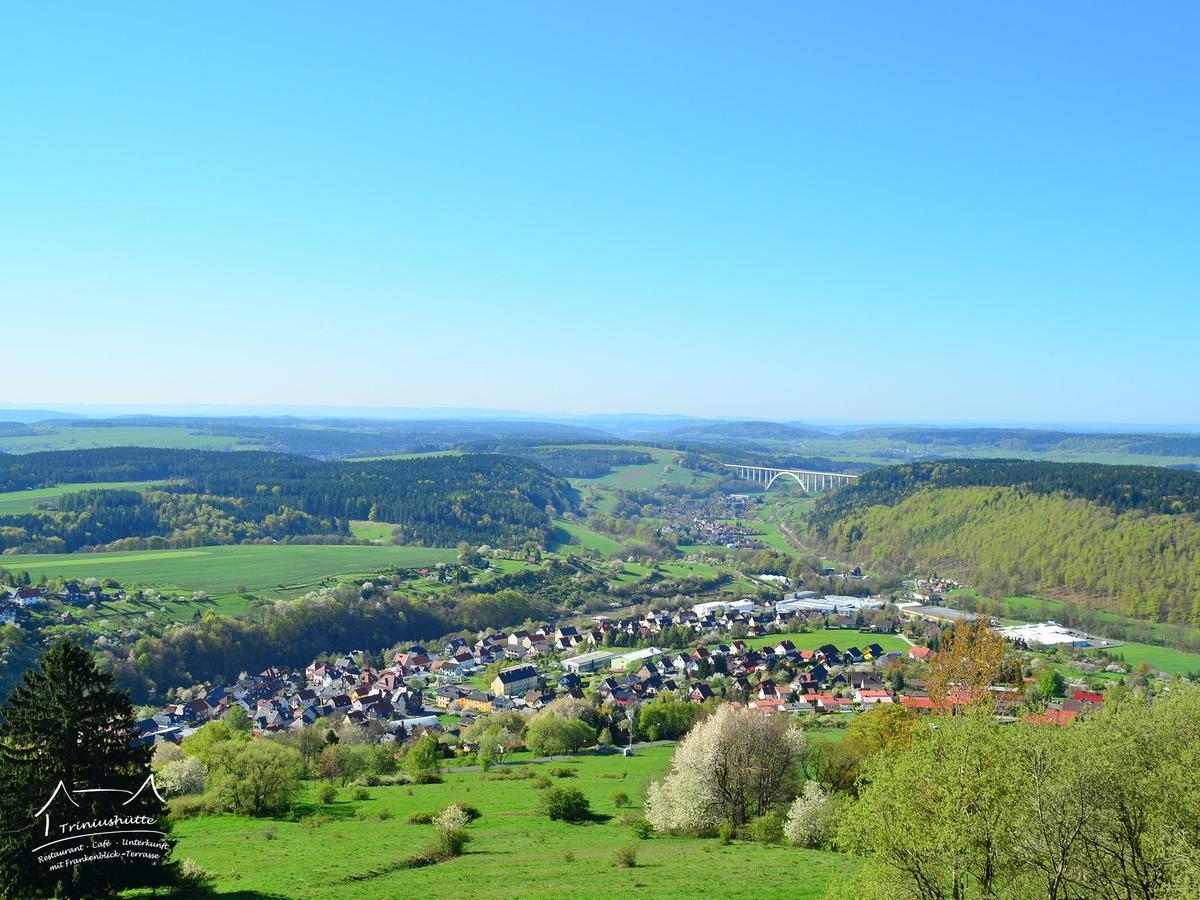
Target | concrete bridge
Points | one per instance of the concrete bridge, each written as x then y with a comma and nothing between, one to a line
810,481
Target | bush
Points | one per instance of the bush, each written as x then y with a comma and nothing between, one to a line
361,794
725,834
370,780
270,833
564,772
420,818
449,844
192,874
315,821
385,814
191,806
327,793
541,782
626,856
451,818
812,819
427,778
566,804
182,777
643,829
767,828
620,799
472,812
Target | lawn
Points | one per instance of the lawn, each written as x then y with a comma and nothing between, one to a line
588,539
1160,659
371,531
278,569
18,502
513,852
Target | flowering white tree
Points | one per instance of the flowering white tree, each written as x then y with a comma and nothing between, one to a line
730,768
186,775
807,817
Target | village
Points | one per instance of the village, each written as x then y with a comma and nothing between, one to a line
823,659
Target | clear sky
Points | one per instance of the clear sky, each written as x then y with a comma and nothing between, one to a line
955,211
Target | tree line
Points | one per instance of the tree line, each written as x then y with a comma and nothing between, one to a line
213,497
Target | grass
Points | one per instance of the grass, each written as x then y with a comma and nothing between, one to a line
588,539
513,852
371,531
18,502
278,569
1160,659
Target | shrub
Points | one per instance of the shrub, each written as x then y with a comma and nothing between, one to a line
192,874
327,794
420,818
620,799
270,833
361,794
427,778
472,812
642,828
451,818
315,821
385,814
449,844
190,806
564,772
371,780
725,834
541,782
565,804
626,856
767,828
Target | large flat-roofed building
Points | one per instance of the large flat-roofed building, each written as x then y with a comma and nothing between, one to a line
1049,634
635,659
727,606
805,601
587,662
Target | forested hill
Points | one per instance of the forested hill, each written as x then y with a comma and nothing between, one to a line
207,497
1150,489
1120,537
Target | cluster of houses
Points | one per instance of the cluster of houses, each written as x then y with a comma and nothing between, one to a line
15,599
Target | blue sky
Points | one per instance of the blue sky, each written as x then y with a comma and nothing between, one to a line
860,211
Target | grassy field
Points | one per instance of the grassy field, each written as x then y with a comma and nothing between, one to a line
277,569
588,539
1160,659
67,437
371,531
17,502
513,852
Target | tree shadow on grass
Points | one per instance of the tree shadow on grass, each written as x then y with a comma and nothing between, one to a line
340,810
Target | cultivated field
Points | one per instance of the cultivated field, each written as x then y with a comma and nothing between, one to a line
15,503
511,850
81,437
275,569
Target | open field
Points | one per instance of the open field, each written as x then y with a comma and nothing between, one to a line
1160,659
509,851
588,539
371,531
277,569
81,437
17,502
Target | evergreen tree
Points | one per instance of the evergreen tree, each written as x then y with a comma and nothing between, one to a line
66,722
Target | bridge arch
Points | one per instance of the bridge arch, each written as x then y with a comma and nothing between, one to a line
793,475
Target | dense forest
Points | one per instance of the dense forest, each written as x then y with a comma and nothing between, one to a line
572,462
207,497
1016,540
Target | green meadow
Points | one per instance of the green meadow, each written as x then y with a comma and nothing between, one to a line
588,539
510,847
276,569
17,502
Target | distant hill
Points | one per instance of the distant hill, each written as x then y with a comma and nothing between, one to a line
26,416
740,431
210,497
1120,537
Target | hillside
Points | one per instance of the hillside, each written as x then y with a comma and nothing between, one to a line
222,498
1116,537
